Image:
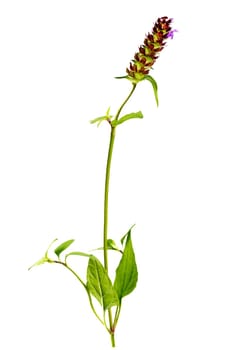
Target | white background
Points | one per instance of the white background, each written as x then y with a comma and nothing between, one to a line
172,172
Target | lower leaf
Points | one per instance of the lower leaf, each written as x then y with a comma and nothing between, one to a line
126,273
100,285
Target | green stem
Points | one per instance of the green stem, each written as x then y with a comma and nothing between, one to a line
113,340
107,178
117,314
106,196
83,284
125,101
106,193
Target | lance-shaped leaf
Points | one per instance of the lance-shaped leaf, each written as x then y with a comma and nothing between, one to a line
63,247
126,273
76,253
122,77
45,257
40,262
154,85
127,117
100,285
126,234
99,120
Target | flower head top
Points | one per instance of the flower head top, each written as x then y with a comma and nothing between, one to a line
149,52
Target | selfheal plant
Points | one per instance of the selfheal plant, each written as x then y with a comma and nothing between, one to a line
98,285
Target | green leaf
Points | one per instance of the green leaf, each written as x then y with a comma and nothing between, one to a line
63,246
40,262
154,85
99,120
111,245
126,273
124,237
77,253
45,257
100,285
123,77
127,117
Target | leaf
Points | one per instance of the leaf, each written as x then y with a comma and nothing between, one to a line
63,246
99,120
155,87
127,117
100,285
45,257
78,253
126,273
40,262
123,77
124,237
111,245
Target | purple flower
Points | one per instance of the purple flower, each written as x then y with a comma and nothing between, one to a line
171,34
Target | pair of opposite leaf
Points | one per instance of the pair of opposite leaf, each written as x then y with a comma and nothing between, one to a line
114,121
98,282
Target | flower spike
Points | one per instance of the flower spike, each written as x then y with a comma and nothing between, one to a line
148,53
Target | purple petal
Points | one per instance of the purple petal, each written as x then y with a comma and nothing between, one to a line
171,34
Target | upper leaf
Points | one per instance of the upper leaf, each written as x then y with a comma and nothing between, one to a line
100,285
123,77
63,246
127,117
126,273
155,87
99,120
